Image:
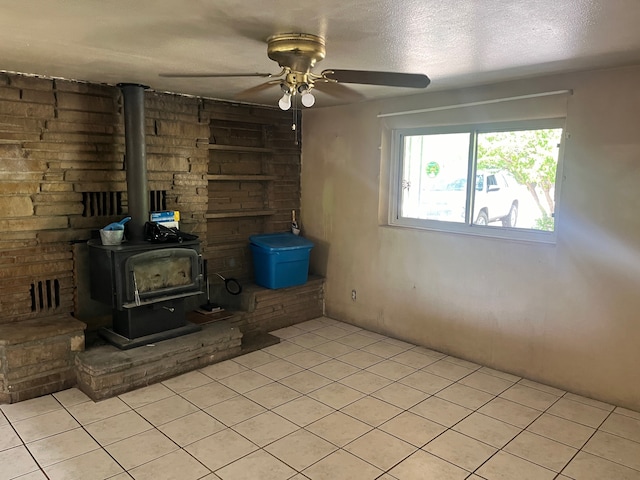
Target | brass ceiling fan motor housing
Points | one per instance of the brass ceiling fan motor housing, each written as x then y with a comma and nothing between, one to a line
297,51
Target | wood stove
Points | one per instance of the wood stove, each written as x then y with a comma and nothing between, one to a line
145,283
146,286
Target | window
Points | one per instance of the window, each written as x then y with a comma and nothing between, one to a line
514,169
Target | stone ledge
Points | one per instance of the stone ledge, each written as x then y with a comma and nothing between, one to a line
106,371
39,329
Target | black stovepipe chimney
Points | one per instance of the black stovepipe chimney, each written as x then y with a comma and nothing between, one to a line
135,159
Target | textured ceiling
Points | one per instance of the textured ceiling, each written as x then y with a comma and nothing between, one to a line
455,42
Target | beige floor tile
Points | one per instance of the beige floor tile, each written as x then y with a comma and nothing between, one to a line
288,332
614,448
429,352
412,428
497,373
331,333
211,476
146,395
235,410
62,446
341,465
191,428
209,394
15,462
311,325
348,327
462,362
622,426
95,465
391,369
399,343
627,413
487,429
486,383
220,449
336,395
308,358
529,397
89,412
71,396
371,411
265,428
333,349
400,395
414,359
167,410
303,411
305,382
578,412
300,449
334,369
461,450
278,369
45,425
356,340
510,412
377,336
140,449
441,411
561,430
360,359
221,370
505,466
542,387
39,475
589,401
541,450
118,427
255,359
383,349
187,381
3,420
8,438
283,349
425,466
309,340
258,464
30,408
585,466
245,381
177,464
365,382
465,396
380,449
339,428
426,382
448,370
272,395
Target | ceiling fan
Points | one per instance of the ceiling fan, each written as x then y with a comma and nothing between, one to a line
297,54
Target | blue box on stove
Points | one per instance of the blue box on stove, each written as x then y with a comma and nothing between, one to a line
280,260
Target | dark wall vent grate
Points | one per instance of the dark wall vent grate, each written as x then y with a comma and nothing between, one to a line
101,204
45,295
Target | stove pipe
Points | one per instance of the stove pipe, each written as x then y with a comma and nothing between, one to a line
135,159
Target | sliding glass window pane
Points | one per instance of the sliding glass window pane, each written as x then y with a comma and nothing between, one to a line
516,178
435,176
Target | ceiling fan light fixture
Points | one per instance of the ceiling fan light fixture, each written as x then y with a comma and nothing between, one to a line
285,101
307,98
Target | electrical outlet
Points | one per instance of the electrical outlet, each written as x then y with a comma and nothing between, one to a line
353,295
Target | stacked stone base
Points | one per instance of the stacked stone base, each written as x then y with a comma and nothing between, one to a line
37,356
106,371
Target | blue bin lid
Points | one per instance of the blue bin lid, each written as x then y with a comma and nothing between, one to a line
280,241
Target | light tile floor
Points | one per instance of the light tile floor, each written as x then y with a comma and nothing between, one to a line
330,402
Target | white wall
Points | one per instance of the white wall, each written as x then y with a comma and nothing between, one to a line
566,314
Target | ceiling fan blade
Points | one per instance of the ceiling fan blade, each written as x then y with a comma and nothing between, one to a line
257,89
391,79
338,90
214,75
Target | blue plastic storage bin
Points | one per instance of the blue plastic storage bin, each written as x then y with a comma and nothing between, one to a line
280,259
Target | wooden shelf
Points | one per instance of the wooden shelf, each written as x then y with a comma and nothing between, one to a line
237,148
241,213
241,178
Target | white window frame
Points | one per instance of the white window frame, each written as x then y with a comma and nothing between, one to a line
468,228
